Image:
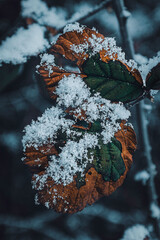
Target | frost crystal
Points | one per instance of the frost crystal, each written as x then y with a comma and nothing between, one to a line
25,43
98,44
153,92
73,27
48,60
72,159
44,130
72,91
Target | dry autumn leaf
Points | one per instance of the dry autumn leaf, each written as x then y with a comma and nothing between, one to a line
102,66
86,189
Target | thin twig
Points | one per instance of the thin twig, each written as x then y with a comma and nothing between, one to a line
122,16
146,94
98,8
115,217
40,222
143,128
37,223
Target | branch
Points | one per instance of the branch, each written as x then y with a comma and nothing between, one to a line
98,8
146,94
37,223
114,216
122,15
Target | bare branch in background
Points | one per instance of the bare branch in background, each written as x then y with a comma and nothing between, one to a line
98,8
122,15
37,223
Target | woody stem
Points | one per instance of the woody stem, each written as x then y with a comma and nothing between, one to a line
122,16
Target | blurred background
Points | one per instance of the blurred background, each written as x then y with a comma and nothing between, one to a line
23,99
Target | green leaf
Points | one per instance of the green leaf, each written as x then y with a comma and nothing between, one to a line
112,80
96,127
153,78
108,160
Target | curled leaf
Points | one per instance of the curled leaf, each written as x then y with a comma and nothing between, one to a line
66,43
102,176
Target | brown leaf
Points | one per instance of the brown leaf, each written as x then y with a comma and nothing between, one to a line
65,41
52,79
71,198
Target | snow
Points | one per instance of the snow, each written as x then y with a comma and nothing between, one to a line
155,210
46,204
72,91
73,157
142,176
43,130
36,199
23,44
146,68
39,11
137,232
109,113
140,59
49,61
153,92
98,44
74,27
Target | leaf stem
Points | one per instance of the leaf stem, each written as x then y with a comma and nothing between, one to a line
146,94
122,16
